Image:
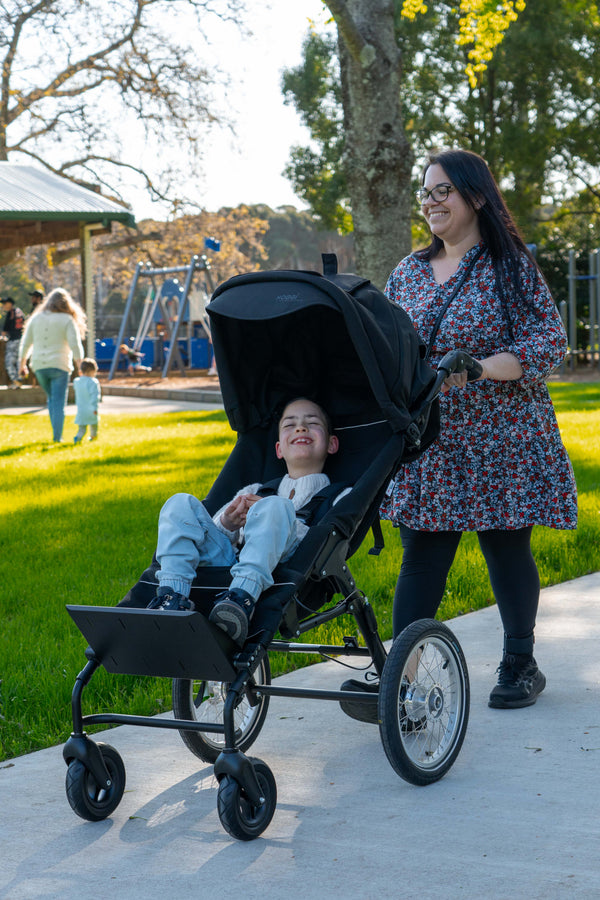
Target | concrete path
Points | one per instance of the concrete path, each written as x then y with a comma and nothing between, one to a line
516,818
117,404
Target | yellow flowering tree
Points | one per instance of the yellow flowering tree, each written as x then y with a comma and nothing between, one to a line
481,27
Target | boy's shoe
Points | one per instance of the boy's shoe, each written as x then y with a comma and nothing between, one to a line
171,600
362,712
519,682
232,613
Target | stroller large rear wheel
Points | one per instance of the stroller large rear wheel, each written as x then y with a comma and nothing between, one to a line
424,702
204,701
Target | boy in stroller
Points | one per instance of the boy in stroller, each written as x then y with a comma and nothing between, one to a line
262,534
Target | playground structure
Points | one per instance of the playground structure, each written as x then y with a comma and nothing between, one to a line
583,331
173,305
176,306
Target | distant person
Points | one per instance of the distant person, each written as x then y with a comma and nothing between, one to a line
251,533
12,330
88,395
52,344
37,298
134,359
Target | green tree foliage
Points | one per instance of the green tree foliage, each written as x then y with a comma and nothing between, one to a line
295,240
530,113
316,175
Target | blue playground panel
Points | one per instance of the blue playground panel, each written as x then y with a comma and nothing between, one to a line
199,347
105,350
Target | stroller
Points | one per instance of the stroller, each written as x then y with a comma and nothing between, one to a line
277,335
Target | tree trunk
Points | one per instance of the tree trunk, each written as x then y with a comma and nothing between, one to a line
379,158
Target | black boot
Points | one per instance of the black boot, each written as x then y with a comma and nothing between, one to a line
519,679
167,598
232,613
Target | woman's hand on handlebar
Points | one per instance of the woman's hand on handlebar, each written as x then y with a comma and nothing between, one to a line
458,379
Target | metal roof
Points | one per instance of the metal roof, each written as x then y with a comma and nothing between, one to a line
39,207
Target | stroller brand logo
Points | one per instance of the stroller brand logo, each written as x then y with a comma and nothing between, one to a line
286,297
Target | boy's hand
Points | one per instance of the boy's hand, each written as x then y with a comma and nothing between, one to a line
234,516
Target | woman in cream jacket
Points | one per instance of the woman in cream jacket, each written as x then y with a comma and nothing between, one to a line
52,344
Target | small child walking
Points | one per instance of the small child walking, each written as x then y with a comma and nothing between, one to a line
87,397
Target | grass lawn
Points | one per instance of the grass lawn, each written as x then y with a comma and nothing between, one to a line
78,525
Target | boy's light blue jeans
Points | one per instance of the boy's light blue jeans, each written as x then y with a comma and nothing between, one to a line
55,384
188,538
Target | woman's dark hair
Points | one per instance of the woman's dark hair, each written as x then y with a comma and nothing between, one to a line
470,175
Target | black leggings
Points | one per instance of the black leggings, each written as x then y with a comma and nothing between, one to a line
426,562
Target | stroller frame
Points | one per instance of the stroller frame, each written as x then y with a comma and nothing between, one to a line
423,699
247,791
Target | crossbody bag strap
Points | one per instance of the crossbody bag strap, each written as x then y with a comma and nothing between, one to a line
454,293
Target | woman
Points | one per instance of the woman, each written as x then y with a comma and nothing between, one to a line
499,466
52,339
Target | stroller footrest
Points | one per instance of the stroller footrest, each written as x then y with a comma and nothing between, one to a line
160,643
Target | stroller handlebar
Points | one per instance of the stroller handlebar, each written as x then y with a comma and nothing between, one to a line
457,361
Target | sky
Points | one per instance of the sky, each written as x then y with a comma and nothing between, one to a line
246,167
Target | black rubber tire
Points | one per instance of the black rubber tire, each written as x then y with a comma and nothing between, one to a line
424,702
238,816
198,700
86,797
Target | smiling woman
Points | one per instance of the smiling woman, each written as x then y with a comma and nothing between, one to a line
499,466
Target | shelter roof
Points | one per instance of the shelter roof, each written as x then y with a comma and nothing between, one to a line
39,207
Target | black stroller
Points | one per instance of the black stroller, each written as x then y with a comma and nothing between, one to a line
277,335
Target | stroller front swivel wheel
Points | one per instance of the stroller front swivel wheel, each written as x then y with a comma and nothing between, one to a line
424,702
86,797
241,818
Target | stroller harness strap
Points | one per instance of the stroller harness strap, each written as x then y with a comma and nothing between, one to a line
316,507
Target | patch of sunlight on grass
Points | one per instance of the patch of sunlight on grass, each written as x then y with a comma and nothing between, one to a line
81,527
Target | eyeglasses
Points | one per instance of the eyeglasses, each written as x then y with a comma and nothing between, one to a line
438,193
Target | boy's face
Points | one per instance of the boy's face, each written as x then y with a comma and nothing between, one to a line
304,441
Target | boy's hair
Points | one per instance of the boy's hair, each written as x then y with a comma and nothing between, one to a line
325,414
88,366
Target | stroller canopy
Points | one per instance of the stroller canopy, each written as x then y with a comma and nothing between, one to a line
335,339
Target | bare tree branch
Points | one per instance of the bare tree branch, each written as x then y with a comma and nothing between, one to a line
99,62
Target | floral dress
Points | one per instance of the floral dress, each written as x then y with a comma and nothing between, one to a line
499,461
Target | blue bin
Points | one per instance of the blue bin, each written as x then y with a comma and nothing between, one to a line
147,349
200,353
